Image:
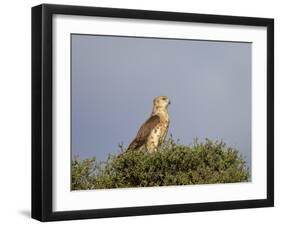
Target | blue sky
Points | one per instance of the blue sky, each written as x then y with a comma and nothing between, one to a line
114,80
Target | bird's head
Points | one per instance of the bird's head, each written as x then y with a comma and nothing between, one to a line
161,102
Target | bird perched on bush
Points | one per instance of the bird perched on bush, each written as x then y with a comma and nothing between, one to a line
154,130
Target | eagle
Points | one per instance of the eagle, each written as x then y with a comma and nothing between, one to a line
153,131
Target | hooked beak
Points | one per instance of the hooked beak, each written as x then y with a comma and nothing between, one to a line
169,102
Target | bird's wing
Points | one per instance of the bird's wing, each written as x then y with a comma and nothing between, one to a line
144,132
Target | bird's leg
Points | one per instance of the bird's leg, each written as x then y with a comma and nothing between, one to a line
151,146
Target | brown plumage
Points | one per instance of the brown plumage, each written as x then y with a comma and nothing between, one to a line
154,130
144,132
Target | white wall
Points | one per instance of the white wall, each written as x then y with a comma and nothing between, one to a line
15,111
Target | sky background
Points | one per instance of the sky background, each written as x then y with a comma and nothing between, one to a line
114,80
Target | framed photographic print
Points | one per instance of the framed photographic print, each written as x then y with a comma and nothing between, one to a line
145,112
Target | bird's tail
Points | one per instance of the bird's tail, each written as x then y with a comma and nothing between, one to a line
132,145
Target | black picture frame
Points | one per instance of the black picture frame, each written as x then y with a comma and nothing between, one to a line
42,106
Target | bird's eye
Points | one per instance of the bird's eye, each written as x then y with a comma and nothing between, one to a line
164,98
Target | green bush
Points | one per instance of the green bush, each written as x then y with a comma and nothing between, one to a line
173,164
